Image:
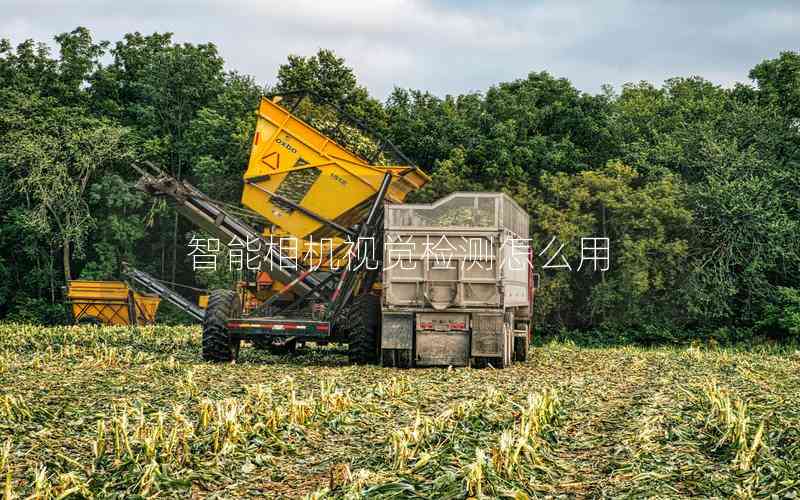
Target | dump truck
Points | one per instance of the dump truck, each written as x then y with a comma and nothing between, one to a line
305,185
457,282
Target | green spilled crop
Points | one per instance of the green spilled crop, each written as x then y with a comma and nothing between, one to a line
118,412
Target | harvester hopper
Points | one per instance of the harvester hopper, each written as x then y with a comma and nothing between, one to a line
307,184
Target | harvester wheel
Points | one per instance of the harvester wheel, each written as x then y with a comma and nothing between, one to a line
364,332
90,321
217,342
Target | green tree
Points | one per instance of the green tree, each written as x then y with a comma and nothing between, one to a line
115,239
779,82
647,224
746,238
50,145
220,135
156,88
517,130
54,156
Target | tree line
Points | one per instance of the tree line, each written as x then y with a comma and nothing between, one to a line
695,185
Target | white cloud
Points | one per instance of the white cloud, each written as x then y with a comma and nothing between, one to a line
448,47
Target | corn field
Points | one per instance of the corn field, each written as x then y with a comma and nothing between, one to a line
91,412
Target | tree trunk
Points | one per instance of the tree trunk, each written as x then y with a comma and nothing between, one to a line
50,272
65,256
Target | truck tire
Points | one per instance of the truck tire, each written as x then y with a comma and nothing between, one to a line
218,345
364,332
520,349
522,344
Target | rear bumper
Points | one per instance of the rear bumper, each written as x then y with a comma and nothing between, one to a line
278,327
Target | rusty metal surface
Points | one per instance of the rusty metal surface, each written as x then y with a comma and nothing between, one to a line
442,348
468,250
397,331
487,335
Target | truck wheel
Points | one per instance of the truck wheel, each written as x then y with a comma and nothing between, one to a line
364,332
522,343
520,349
217,342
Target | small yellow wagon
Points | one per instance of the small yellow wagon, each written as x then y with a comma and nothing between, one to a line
109,303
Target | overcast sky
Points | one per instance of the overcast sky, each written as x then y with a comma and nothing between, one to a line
449,47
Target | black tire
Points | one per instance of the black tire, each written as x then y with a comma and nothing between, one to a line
397,358
521,349
289,347
90,321
365,328
218,345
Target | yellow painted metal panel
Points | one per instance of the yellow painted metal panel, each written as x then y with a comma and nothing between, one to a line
110,290
107,302
146,308
341,183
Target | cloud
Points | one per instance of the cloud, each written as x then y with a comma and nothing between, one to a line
449,47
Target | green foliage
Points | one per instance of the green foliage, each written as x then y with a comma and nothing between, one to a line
219,138
69,129
54,157
449,176
695,184
36,310
324,74
647,223
781,316
746,233
121,227
778,83
517,131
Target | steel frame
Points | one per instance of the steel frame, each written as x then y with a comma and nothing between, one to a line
152,284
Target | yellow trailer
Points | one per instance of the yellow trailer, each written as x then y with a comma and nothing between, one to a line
109,303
